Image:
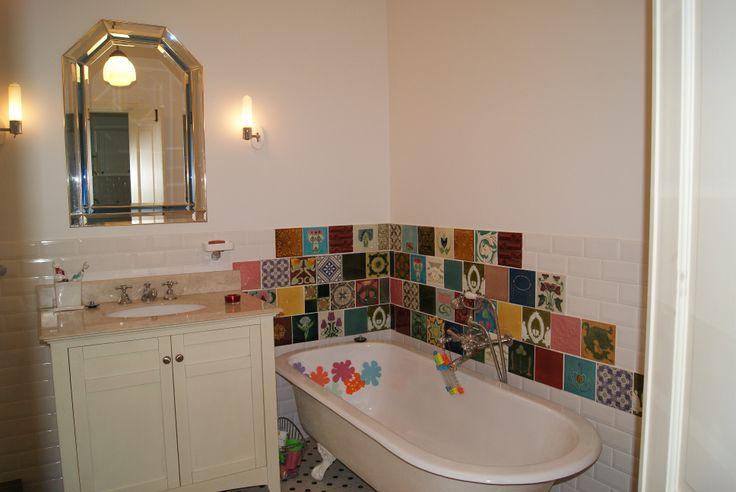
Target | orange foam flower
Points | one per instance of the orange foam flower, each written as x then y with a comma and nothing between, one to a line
355,384
320,376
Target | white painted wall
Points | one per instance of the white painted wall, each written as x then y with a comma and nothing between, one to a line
317,72
520,115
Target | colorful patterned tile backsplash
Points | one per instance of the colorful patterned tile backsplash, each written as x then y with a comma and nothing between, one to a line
340,239
314,241
598,341
288,242
464,245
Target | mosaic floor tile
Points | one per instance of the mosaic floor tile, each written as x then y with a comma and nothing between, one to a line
551,292
486,247
384,239
464,247
427,299
379,317
314,241
565,333
331,324
598,341
419,326
282,331
497,282
376,264
384,290
395,237
509,317
535,327
521,359
443,304
397,292
268,296
303,270
484,316
290,300
454,275
304,328
356,321
353,266
435,271
366,292
510,249
580,377
425,245
340,239
402,266
473,278
409,239
401,320
275,273
365,237
614,387
444,242
329,269
435,330
411,296
250,274
521,287
288,242
342,295
548,367
637,394
419,268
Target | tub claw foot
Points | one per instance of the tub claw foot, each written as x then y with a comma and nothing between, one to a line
318,472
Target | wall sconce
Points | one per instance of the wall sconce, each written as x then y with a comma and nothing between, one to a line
118,70
247,121
15,111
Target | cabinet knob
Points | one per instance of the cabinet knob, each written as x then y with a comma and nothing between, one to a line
166,359
179,357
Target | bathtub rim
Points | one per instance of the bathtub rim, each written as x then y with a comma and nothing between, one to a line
584,453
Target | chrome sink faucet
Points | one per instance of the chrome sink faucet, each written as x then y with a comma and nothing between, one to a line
170,295
149,294
124,298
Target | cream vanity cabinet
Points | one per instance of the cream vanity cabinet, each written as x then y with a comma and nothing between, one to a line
189,407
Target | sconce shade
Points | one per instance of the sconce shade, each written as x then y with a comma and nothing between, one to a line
247,112
15,107
118,70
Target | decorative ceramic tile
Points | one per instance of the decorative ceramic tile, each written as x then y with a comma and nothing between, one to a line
435,331
366,292
379,317
598,341
356,321
497,282
409,239
282,331
275,273
486,247
443,304
565,333
331,324
548,367
304,328
342,295
353,266
303,270
419,326
435,271
509,249
250,274
473,278
427,299
383,236
411,296
444,242
521,359
425,237
290,300
580,377
340,239
464,247
323,304
329,269
453,275
522,287
509,318
614,387
376,264
535,327
551,292
637,394
310,292
268,296
401,320
397,292
484,315
365,237
314,241
288,242
418,268
463,313
310,305
395,237
402,266
384,290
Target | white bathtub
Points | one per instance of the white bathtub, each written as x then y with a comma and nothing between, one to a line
408,434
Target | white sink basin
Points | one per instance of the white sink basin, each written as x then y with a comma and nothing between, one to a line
157,310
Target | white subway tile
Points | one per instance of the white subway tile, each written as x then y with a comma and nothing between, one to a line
584,267
627,422
588,484
596,411
535,388
629,359
568,488
245,253
109,262
97,245
167,242
19,250
183,257
604,249
583,308
134,244
634,251
55,249
626,463
552,263
566,399
632,295
621,315
150,260
613,478
268,250
515,381
529,261
616,439
538,243
630,338
575,286
622,271
568,245
606,457
601,290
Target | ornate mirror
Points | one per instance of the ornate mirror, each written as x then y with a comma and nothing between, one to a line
134,127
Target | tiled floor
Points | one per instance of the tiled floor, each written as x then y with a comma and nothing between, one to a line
338,477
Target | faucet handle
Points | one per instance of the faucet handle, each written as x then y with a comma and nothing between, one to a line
146,285
124,298
169,284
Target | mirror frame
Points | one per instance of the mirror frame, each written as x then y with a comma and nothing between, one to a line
102,39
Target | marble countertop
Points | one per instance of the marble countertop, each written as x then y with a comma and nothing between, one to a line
55,326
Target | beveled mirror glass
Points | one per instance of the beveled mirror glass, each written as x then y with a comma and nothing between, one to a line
134,150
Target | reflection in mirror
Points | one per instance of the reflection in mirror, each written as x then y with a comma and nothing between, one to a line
134,127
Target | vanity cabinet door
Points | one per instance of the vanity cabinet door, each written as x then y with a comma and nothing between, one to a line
219,402
124,418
